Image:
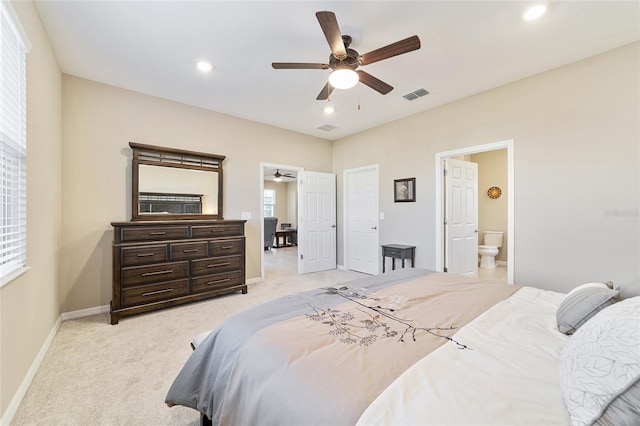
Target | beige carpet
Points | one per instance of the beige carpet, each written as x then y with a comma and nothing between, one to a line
96,373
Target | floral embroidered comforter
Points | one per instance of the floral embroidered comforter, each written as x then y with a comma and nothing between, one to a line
321,357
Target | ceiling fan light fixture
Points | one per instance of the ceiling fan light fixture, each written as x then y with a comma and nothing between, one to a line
277,179
343,78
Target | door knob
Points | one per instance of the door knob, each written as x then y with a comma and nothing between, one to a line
333,226
375,227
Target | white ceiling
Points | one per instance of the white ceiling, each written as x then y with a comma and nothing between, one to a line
467,47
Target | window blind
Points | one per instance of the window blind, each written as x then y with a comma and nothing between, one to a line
13,143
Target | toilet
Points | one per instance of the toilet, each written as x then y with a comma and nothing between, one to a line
489,250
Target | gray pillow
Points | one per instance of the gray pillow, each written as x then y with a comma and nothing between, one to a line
600,368
582,303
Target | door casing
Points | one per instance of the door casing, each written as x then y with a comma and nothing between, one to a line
439,204
262,167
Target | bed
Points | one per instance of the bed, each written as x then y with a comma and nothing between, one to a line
409,347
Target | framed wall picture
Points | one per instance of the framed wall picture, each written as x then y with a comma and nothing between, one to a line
404,190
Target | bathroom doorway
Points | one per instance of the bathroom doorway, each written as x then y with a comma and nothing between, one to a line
507,193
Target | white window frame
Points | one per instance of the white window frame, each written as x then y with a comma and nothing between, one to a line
14,46
272,205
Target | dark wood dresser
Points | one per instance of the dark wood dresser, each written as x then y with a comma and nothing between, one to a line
157,264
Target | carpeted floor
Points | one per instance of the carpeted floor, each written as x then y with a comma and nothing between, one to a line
99,374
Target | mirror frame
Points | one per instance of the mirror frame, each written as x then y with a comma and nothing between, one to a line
172,157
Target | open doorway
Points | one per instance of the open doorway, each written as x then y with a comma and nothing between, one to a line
279,199
509,191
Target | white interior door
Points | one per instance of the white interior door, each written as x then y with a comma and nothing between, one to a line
362,215
461,217
316,222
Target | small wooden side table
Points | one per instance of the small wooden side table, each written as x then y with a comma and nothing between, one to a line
398,251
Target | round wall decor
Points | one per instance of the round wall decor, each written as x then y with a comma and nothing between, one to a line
494,192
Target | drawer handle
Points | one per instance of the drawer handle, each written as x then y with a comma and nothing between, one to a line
166,271
218,230
218,281
226,247
146,254
157,233
215,265
151,293
189,250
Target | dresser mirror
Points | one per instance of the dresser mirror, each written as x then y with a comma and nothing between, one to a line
170,184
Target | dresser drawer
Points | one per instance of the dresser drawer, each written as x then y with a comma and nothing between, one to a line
154,292
216,282
215,265
226,247
211,231
188,251
138,275
154,233
141,255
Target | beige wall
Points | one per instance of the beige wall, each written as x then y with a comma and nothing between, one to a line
492,212
292,205
29,306
98,123
576,133
282,200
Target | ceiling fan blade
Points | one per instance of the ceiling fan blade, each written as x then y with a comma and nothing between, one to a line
374,83
398,48
298,66
325,92
329,25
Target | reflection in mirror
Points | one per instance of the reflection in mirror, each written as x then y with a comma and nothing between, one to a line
171,183
168,190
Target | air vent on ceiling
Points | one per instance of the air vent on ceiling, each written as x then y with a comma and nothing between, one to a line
327,127
415,94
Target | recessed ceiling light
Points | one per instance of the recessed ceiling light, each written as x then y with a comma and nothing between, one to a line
204,66
534,12
328,110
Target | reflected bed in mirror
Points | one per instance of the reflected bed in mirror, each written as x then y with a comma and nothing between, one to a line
171,184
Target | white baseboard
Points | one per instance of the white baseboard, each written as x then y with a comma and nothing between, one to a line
254,280
28,378
341,267
84,312
501,262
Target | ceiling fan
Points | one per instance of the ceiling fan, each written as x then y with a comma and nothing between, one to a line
277,176
344,60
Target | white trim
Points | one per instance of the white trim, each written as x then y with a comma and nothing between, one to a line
254,280
508,145
28,378
16,25
65,316
341,267
7,279
277,166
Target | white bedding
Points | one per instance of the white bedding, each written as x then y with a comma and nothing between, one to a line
510,377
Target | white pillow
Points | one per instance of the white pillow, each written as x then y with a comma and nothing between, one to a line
600,367
582,303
